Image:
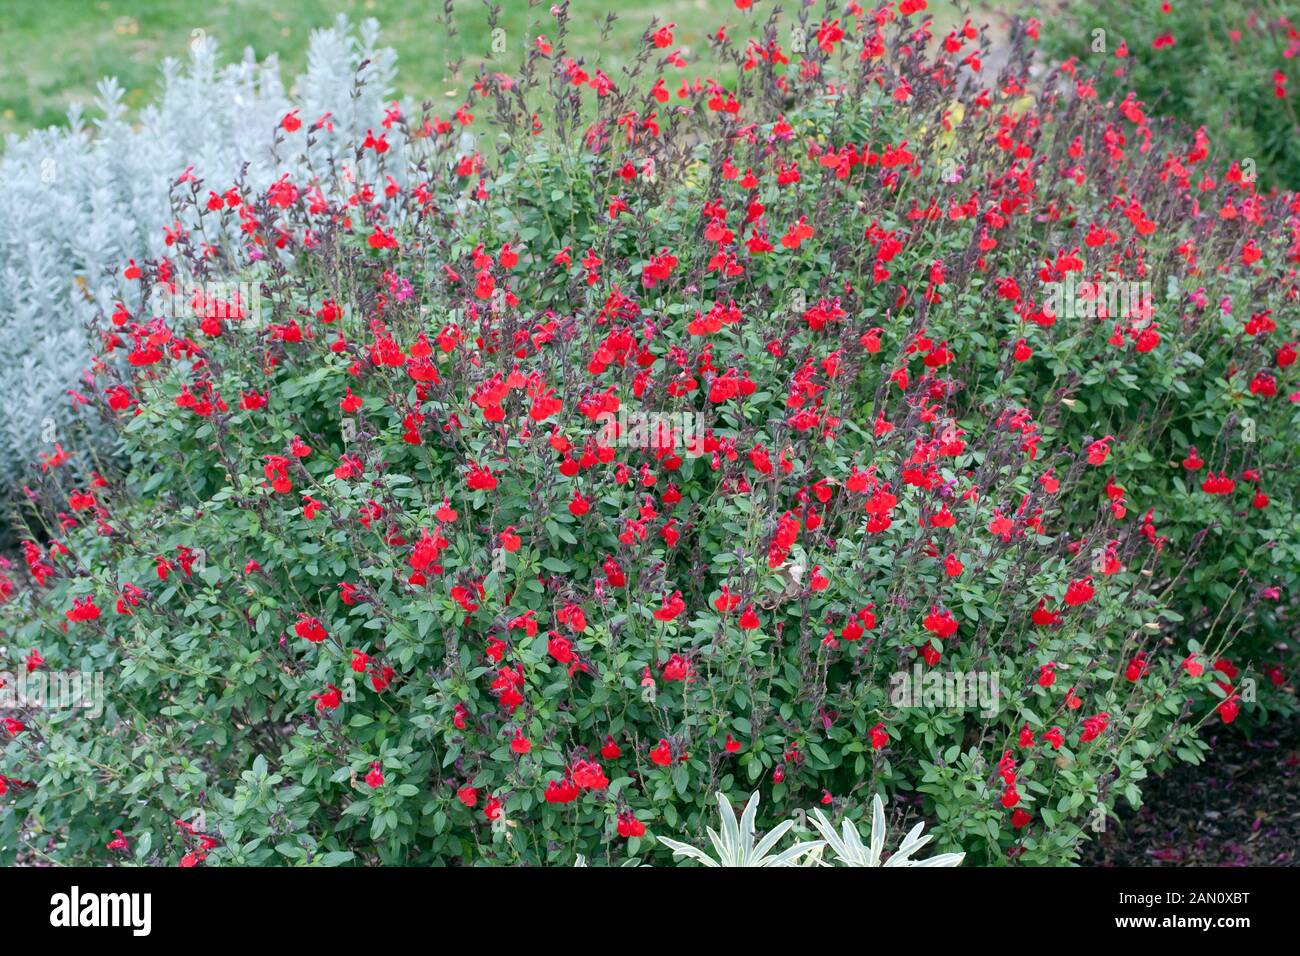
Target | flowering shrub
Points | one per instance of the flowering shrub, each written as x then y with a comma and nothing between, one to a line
693,439
1232,66
78,202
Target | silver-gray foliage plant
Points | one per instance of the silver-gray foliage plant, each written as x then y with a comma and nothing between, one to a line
736,842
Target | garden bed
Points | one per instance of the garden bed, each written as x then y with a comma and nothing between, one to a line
1240,808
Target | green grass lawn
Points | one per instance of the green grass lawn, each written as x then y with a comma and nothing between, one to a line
55,51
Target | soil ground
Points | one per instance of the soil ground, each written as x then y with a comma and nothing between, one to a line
1240,808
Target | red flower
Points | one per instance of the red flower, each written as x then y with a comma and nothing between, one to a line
328,699
381,240
879,737
677,668
277,473
589,775
83,609
561,791
1093,727
560,648
629,826
310,628
1079,592
1042,617
571,615
661,755
381,677
480,479
613,573
1099,450
1136,668
940,623
726,602
671,606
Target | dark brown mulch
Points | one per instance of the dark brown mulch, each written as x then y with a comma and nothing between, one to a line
1239,808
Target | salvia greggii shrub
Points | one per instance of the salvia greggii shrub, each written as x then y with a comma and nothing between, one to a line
873,425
